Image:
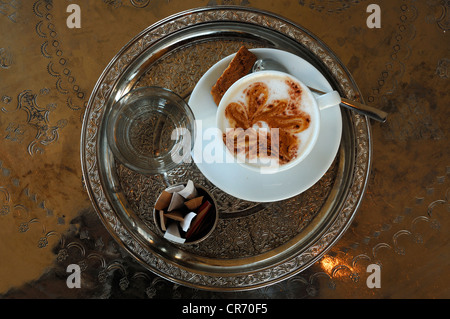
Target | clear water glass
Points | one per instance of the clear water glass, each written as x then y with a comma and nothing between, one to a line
151,130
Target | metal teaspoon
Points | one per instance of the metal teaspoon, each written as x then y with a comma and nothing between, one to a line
371,112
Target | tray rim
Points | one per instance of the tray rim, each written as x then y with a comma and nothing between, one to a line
119,232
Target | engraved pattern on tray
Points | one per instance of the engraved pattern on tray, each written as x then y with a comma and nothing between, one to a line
249,228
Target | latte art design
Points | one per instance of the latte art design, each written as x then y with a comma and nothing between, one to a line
262,108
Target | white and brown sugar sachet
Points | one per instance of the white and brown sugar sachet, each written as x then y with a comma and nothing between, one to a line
182,212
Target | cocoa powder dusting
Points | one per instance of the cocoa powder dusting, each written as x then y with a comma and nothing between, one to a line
285,115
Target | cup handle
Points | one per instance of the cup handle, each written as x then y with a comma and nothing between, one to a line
328,99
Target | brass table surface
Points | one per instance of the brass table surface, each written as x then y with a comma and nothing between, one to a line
47,72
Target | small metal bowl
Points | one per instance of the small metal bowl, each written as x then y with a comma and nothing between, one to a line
211,219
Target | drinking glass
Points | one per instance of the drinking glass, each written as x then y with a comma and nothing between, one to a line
151,130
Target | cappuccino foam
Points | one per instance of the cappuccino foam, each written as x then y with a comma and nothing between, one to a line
262,103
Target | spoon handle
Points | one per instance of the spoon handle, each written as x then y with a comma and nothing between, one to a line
370,112
367,110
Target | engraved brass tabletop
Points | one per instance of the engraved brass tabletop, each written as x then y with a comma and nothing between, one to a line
384,201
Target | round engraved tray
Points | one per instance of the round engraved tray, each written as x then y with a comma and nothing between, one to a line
254,244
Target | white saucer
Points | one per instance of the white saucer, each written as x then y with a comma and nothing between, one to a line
243,183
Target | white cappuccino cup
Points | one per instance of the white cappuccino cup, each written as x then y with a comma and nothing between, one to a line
270,120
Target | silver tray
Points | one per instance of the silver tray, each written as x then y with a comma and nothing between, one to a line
254,244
